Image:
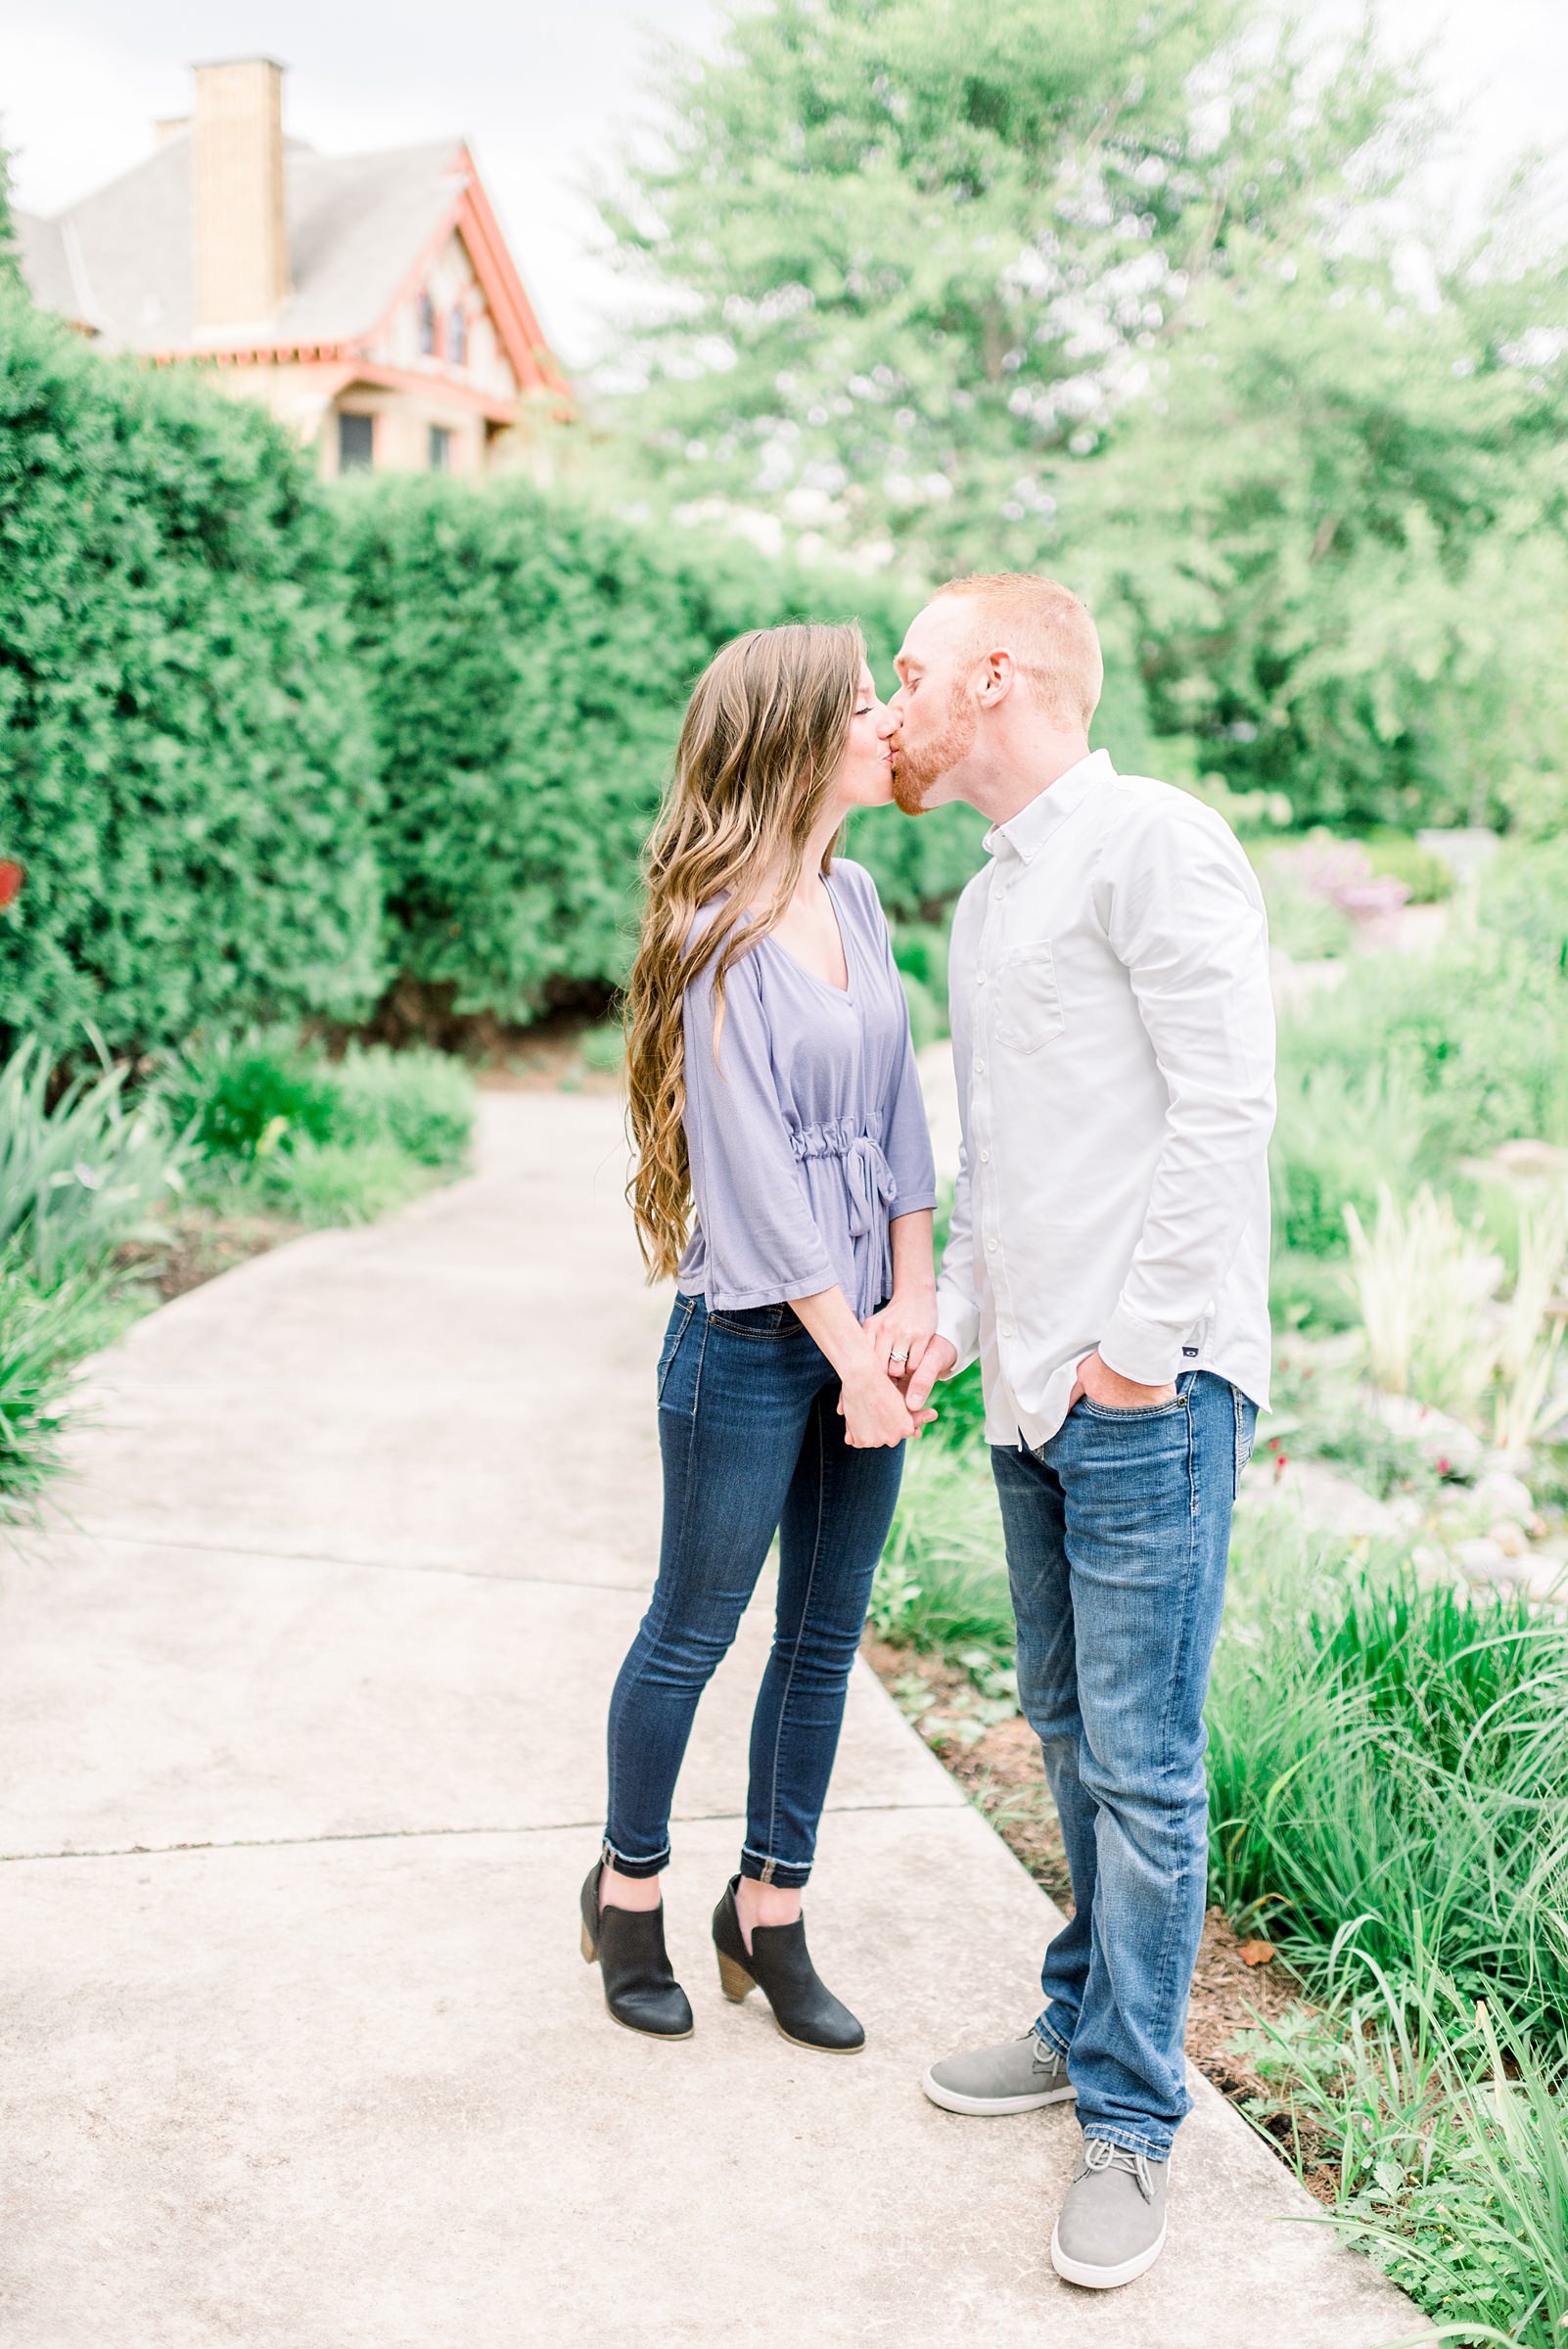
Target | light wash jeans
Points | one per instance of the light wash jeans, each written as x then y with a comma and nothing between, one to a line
1117,1533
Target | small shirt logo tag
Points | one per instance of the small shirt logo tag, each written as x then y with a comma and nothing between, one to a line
1189,1354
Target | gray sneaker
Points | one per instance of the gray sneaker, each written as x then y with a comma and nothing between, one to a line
1019,2076
1112,2224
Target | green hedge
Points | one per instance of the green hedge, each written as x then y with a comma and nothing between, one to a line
528,661
185,771
264,749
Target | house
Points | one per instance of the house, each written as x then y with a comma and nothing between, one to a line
369,299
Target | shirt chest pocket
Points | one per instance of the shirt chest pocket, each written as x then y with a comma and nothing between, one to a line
1028,1008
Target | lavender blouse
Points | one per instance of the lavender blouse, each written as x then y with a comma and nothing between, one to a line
810,1135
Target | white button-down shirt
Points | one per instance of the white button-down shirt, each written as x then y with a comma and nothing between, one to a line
1114,1039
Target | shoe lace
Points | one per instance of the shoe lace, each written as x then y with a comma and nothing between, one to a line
1101,2153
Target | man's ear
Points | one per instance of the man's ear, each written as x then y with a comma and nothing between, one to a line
997,673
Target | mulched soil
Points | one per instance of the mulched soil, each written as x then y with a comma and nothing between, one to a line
198,1245
1001,1772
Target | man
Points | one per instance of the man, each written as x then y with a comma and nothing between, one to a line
1108,1261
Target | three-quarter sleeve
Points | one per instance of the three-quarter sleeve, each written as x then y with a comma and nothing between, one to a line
762,1240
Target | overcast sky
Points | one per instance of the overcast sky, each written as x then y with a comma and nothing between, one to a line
545,89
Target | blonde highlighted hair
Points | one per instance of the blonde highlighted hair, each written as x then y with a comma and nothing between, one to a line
1054,643
764,734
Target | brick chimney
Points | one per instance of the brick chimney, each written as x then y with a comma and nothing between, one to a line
242,246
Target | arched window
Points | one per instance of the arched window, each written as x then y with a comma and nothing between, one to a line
427,325
457,336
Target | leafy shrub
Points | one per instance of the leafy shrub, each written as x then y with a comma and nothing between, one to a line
1429,880
241,1097
185,771
604,1049
416,1101
268,1093
1478,1030
44,1331
82,1175
1336,1139
1301,924
326,1184
1524,896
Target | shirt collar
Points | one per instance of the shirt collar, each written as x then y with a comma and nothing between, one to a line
1026,832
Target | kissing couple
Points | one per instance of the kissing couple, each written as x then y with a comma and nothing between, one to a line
1107,1262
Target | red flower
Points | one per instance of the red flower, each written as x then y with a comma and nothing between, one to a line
12,876
1443,1464
1281,1463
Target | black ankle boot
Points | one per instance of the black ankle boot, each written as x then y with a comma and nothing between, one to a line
639,1988
779,1965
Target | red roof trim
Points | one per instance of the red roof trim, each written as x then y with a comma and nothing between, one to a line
470,215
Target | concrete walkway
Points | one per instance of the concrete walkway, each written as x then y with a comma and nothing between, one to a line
299,1744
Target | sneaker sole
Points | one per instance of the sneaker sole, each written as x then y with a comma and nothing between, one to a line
953,2100
1103,2280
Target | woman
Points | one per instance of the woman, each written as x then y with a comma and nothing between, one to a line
772,1089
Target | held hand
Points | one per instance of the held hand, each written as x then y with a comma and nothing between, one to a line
875,1413
1101,1384
936,1361
899,1333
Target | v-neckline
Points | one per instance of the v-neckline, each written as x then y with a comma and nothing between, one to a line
845,992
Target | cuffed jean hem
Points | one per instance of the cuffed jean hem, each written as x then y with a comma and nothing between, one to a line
1052,2037
633,1867
790,1874
1152,2148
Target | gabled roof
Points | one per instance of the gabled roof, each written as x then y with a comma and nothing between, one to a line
360,227
43,251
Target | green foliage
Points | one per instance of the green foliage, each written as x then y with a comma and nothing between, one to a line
1446,2131
45,1329
184,767
528,661
1477,1032
1524,896
10,275
327,1183
1337,1136
1429,880
1302,923
922,252
270,1096
81,1173
1340,530
1391,1762
941,1584
1130,304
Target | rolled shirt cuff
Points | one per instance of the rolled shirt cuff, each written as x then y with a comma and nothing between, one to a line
1145,1352
958,1321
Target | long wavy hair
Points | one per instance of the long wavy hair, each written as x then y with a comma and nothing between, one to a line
763,736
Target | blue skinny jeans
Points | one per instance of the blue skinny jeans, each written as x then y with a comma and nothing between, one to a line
1117,1532
752,1444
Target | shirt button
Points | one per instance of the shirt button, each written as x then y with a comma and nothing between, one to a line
990,1246
1006,1329
985,1157
980,1067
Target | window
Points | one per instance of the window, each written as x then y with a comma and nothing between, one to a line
457,337
356,441
427,325
441,449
